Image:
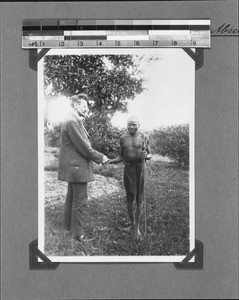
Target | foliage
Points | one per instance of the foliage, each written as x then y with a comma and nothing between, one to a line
172,141
104,137
109,80
52,135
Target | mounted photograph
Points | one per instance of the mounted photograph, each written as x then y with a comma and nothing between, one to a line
116,170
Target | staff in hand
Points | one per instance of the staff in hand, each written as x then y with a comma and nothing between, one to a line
134,150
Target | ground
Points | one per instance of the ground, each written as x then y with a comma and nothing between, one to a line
55,190
165,228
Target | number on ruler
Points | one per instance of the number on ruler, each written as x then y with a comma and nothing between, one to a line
193,43
174,43
61,44
98,43
80,43
117,43
136,43
155,43
32,44
42,44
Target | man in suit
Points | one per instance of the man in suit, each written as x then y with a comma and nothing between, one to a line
75,165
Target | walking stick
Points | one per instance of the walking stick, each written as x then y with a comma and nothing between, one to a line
142,180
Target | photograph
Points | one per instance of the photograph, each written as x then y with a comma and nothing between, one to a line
116,155
119,149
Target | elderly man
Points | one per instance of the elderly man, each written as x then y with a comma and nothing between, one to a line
134,147
75,165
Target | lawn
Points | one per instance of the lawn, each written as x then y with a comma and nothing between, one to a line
167,213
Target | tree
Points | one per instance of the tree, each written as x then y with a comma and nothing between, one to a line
172,141
104,136
110,81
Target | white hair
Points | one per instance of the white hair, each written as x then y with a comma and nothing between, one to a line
133,119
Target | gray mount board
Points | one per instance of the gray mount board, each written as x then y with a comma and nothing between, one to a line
216,164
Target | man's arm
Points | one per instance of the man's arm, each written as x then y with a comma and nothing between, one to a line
116,160
120,157
77,138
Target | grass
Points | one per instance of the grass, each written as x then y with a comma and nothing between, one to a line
167,217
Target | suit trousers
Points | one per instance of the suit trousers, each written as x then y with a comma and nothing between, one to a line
74,208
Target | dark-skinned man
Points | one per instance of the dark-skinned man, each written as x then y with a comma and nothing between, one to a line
134,147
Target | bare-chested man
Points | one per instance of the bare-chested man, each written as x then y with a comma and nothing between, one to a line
134,147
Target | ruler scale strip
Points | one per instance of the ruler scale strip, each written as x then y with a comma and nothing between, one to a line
74,33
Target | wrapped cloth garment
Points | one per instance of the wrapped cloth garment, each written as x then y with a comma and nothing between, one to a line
132,174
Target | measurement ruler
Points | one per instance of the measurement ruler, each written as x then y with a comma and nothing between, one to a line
48,33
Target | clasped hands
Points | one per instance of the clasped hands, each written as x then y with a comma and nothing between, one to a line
106,160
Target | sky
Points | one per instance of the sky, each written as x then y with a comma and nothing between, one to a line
169,98
169,95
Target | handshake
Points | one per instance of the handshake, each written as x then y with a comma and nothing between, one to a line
144,155
106,160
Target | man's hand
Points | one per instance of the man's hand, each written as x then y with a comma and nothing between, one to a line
116,160
105,159
145,155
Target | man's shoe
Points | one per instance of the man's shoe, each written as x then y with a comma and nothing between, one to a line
82,238
79,238
128,229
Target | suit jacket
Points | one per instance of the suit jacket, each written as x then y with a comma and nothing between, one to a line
76,153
